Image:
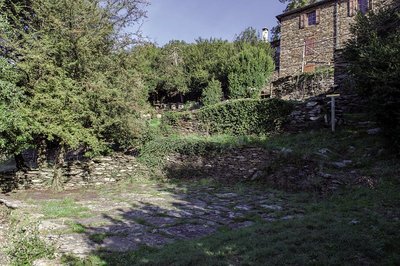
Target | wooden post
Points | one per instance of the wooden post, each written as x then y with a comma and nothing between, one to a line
333,96
303,57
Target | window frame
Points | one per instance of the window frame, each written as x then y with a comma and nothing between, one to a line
363,6
312,15
309,46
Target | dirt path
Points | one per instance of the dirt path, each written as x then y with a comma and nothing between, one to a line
124,217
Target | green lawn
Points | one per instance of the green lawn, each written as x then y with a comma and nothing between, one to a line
355,227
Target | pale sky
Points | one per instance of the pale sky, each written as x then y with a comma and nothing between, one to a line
189,19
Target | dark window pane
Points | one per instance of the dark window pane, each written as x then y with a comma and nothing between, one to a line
312,18
363,6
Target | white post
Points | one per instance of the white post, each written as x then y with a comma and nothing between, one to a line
333,96
304,55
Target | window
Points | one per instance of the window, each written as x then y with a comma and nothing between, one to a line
312,18
309,46
363,6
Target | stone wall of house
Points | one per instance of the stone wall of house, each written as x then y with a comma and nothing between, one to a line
302,87
293,39
332,32
97,171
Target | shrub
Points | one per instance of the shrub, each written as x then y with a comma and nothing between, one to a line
373,57
153,153
212,94
246,116
238,117
26,246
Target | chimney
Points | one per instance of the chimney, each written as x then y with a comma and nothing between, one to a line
265,34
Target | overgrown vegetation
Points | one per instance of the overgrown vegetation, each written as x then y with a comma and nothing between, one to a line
237,117
179,71
65,79
212,94
375,66
26,245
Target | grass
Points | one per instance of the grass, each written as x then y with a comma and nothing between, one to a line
353,226
98,237
339,144
25,244
358,226
63,208
77,228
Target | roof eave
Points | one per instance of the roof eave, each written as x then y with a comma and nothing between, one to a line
301,9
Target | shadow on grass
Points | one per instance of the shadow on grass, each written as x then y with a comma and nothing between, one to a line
356,227
181,213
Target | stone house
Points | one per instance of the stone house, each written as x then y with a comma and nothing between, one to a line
312,36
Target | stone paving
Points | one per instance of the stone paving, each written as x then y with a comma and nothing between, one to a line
123,218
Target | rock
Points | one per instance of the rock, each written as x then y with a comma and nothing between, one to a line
311,104
286,151
12,204
256,175
342,164
272,207
47,225
226,195
243,207
315,118
288,217
374,131
45,262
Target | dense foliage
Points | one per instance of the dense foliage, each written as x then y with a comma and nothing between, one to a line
293,4
64,76
72,76
375,66
238,117
212,94
179,71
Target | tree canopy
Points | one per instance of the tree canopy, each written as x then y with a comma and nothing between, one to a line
374,64
183,70
70,84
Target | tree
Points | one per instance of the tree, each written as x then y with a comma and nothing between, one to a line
13,118
212,94
249,35
250,67
206,60
173,78
374,65
293,4
78,90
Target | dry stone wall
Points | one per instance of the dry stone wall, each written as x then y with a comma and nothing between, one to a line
97,171
302,87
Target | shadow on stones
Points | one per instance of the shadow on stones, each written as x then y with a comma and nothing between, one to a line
183,213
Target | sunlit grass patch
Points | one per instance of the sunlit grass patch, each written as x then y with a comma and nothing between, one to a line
63,208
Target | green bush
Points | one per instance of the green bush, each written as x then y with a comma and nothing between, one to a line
373,57
153,153
26,246
237,117
212,94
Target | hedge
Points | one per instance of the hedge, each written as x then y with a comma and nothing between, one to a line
237,117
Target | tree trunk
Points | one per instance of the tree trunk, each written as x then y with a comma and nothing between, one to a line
58,165
20,162
42,157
